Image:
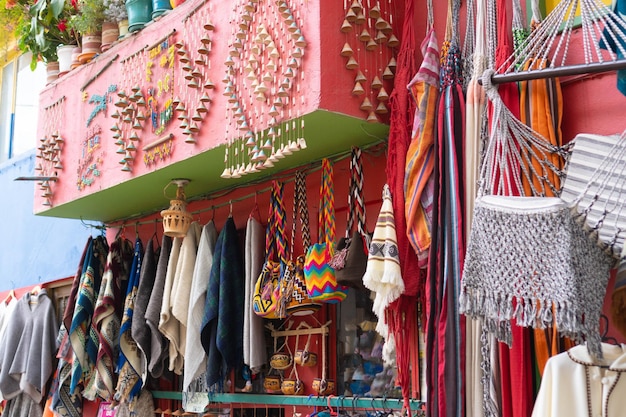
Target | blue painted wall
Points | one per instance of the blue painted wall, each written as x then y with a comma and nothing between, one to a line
33,249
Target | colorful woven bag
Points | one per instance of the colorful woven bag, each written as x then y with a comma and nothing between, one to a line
267,295
321,283
295,295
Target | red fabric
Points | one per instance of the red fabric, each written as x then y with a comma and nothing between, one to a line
402,109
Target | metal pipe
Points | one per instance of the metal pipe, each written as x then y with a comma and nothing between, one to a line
577,69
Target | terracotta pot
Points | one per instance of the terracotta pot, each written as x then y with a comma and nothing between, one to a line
272,384
305,358
65,57
75,54
52,71
110,33
280,360
323,386
291,386
91,47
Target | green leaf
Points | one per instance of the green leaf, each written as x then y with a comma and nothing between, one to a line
40,38
57,7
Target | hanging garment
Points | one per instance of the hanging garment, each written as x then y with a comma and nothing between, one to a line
107,321
83,337
254,353
138,329
166,321
222,325
158,342
576,385
175,328
129,365
617,44
22,406
195,357
445,327
28,347
418,184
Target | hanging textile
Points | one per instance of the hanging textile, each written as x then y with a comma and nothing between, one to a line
222,325
475,125
617,46
22,406
83,337
158,343
175,328
195,357
28,347
64,403
138,330
129,366
445,327
418,182
166,307
254,353
107,321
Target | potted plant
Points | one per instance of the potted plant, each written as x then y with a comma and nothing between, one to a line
88,22
115,11
42,26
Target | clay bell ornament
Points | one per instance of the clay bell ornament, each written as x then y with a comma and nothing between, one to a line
176,219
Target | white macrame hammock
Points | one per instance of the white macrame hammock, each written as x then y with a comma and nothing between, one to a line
542,260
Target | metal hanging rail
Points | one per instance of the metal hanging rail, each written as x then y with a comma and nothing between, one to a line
577,69
364,403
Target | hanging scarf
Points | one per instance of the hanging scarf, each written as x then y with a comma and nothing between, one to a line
181,292
158,343
129,365
107,321
418,183
139,331
195,358
167,325
222,326
254,332
83,337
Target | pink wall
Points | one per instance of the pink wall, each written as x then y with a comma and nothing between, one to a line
89,160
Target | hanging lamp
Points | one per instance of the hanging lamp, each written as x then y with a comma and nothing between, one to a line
176,219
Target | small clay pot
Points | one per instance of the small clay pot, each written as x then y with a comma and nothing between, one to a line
272,384
280,360
292,386
305,358
323,386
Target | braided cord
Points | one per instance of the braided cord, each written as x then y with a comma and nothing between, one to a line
326,218
300,206
281,220
270,230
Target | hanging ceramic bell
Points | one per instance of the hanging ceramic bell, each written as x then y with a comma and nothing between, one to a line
375,12
140,115
346,50
372,118
351,16
199,60
141,102
382,95
380,37
193,127
193,84
366,105
208,25
184,125
121,150
387,73
197,117
137,125
226,173
376,83
346,26
392,63
380,23
133,136
115,128
365,36
393,41
381,108
352,64
358,90
208,84
300,42
189,139
116,115
360,19
360,77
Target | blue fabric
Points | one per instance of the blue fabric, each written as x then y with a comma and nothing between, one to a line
619,8
222,326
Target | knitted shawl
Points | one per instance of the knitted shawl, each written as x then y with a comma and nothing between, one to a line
83,337
158,343
222,325
28,346
139,331
167,326
195,357
181,291
254,355
129,364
